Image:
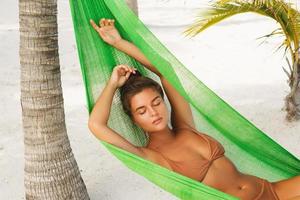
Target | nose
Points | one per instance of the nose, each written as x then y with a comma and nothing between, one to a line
153,111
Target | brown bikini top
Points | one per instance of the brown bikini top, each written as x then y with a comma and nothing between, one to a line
216,151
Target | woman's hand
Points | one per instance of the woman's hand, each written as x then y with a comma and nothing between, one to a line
107,30
120,75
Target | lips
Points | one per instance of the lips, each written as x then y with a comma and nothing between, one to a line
157,121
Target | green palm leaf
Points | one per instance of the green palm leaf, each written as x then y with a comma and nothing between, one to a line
280,11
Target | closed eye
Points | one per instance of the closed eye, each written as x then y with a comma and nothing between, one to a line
141,113
157,104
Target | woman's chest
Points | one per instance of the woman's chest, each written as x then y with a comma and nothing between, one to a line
192,168
190,161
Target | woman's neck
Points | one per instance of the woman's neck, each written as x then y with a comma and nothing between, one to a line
159,139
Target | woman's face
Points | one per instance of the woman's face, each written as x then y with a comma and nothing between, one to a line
148,106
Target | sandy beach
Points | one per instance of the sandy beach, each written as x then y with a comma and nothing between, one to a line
228,58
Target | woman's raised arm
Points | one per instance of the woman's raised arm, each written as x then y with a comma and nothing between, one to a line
100,113
108,32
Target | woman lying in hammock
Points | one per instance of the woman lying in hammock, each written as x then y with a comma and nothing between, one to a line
181,148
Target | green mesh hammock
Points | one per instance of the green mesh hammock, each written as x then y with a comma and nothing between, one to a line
252,151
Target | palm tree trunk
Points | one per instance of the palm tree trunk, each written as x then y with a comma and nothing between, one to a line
51,171
297,96
292,100
133,5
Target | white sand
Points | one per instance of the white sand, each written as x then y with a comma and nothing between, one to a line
227,58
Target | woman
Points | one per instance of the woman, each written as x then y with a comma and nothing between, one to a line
181,148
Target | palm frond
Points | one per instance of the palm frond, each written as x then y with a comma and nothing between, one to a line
281,46
287,73
289,64
286,50
213,15
277,31
279,10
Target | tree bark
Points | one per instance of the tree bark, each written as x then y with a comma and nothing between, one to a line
133,4
292,100
51,171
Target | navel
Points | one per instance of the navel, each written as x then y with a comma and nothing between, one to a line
241,187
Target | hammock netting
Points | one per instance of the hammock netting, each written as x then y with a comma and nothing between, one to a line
251,150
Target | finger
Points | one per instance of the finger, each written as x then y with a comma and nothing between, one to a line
119,66
109,22
94,25
132,69
101,22
123,67
112,22
122,71
106,22
129,68
127,75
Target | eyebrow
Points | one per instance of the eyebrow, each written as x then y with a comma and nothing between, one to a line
144,106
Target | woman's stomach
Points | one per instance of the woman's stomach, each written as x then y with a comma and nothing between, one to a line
224,176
